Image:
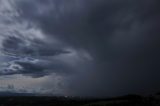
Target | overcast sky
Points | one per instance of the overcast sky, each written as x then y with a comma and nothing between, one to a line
80,47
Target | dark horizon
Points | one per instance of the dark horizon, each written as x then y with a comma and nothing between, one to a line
95,48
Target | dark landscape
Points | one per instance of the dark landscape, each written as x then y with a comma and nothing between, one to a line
79,52
128,100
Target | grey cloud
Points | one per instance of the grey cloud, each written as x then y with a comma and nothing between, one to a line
116,33
96,20
21,46
35,68
122,37
31,57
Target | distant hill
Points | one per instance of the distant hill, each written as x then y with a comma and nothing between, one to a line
15,94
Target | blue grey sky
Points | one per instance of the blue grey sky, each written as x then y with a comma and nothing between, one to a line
80,47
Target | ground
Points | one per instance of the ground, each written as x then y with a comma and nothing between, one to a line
129,100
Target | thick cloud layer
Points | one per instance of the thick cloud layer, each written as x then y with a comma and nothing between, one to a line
103,47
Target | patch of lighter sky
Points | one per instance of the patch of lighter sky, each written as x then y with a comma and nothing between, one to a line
41,85
11,24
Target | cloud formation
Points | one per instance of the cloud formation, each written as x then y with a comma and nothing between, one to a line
104,46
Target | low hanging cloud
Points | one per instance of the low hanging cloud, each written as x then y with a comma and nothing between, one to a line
33,48
102,45
34,58
29,56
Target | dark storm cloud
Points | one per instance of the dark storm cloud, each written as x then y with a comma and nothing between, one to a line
32,57
26,68
25,47
35,68
90,23
121,36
